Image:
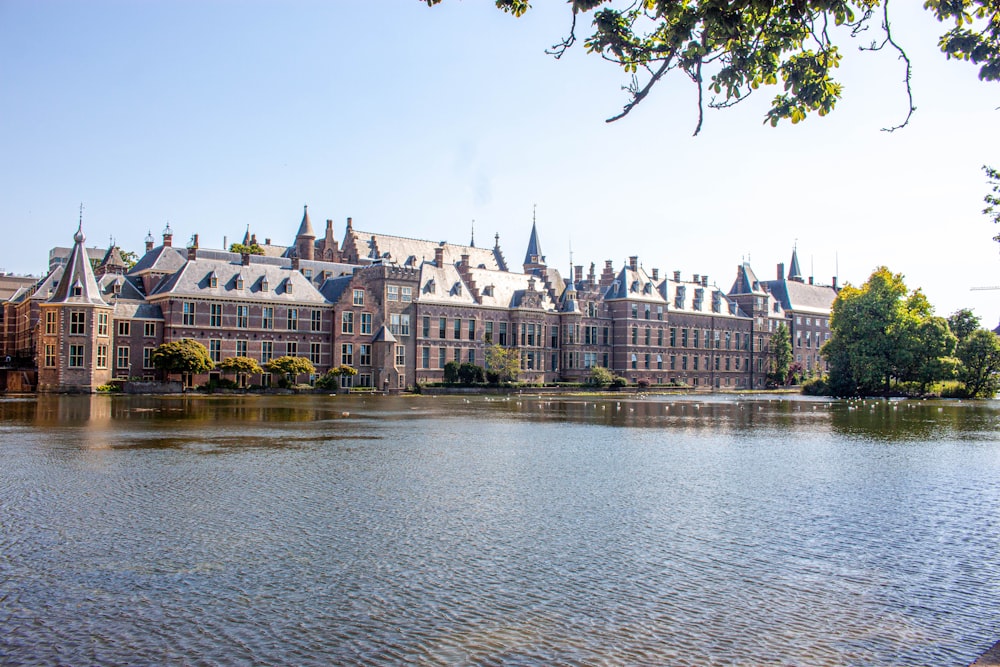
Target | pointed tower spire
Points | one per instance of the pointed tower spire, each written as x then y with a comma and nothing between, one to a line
534,257
794,272
78,284
472,241
305,246
305,229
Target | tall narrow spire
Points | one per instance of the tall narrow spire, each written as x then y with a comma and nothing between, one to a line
472,241
305,229
534,254
794,272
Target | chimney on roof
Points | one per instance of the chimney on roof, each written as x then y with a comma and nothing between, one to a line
295,263
267,241
835,282
811,280
193,248
704,281
592,276
465,259
245,258
781,270
697,278
633,262
677,276
350,225
149,241
168,236
438,256
578,273
656,274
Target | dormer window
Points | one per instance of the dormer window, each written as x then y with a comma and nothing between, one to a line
488,290
288,286
77,289
635,285
430,287
264,286
239,282
213,279
116,287
648,289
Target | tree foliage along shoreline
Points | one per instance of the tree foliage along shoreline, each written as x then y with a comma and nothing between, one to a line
185,356
730,49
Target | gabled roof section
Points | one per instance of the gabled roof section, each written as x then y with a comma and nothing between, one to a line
402,251
802,298
193,280
746,281
384,336
112,262
635,284
78,284
162,259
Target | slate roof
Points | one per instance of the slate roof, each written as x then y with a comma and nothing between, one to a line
794,272
305,227
636,285
194,279
162,259
746,281
802,297
78,284
413,253
534,246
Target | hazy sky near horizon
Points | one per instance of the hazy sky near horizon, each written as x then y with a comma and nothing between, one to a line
415,121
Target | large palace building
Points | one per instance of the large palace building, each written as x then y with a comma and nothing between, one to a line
398,309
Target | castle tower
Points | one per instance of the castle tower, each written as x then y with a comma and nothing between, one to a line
305,240
534,260
794,272
74,346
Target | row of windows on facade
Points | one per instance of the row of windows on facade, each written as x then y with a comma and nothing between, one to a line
189,313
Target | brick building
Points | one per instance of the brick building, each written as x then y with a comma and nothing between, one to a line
398,309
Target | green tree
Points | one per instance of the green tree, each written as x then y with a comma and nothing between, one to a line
290,367
129,257
503,363
451,372
252,249
185,356
962,323
730,49
979,355
331,379
241,367
600,376
469,373
781,348
992,198
880,333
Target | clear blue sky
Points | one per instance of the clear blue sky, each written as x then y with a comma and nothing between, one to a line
213,115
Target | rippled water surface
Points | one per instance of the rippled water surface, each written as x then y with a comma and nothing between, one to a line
420,530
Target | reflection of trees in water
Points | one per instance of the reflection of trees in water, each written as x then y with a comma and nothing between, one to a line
915,420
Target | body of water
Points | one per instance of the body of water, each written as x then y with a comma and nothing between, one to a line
315,530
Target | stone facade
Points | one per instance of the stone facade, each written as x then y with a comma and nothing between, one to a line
397,310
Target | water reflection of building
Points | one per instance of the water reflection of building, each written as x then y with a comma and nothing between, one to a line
399,309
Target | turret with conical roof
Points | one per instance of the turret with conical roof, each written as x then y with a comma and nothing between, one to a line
305,240
534,260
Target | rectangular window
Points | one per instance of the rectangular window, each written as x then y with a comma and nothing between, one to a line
215,315
646,361
502,334
442,356
695,363
76,356
77,323
347,354
673,337
472,330
696,339
124,328
425,357
148,329
659,337
187,312
102,324
347,322
635,335
266,351
684,337
458,329
102,356
458,354
606,338
364,354
488,332
359,297
426,327
406,294
400,355
50,355
649,333
241,348
316,320
392,292
635,311
215,350
121,360
659,313
684,363
399,324
366,323
267,317
442,327
729,339
242,317
472,355
51,322
292,348
293,319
